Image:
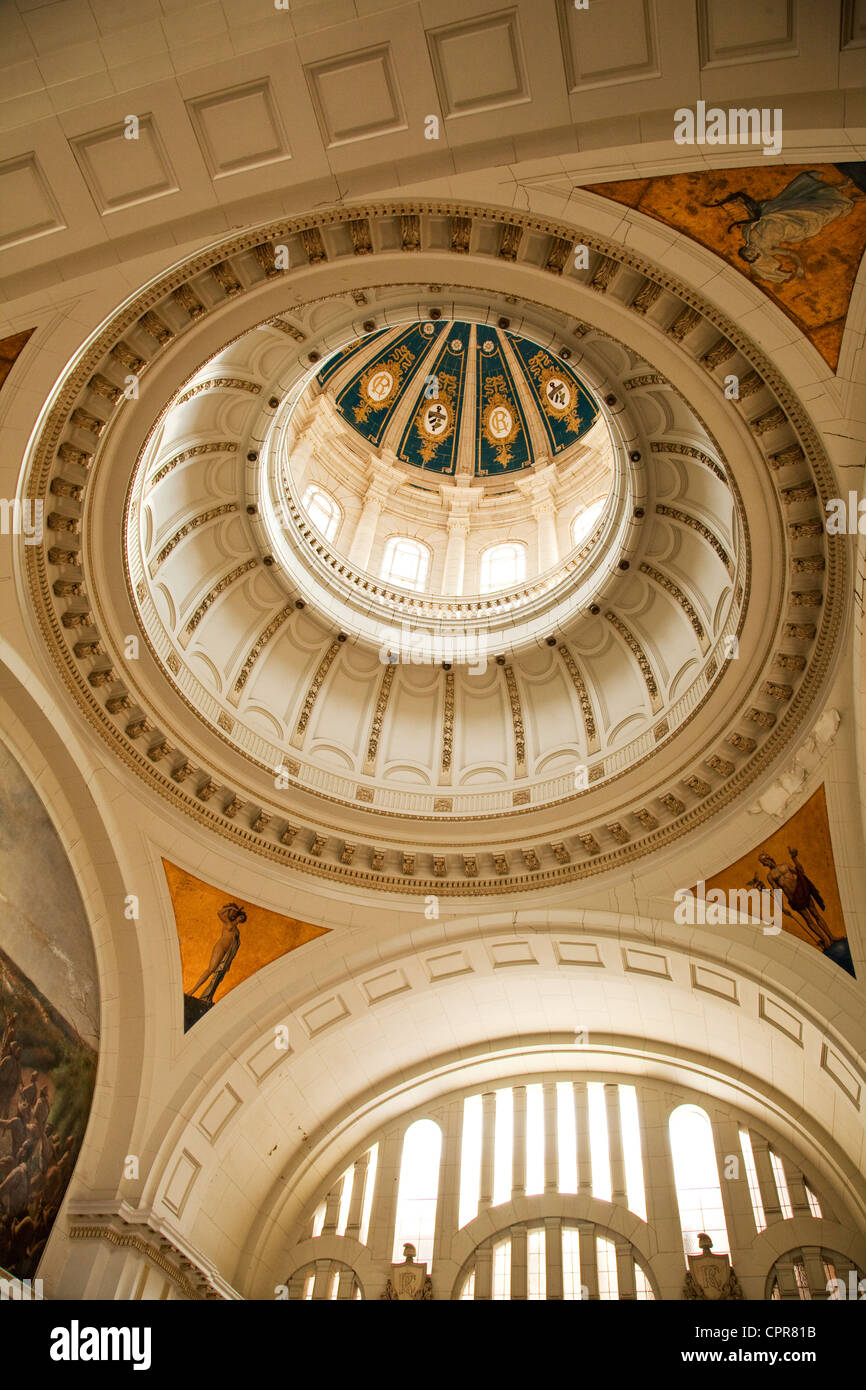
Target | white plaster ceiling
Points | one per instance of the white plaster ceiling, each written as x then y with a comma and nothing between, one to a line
249,112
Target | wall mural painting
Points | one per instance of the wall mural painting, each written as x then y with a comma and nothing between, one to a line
797,861
49,1022
11,349
799,232
224,940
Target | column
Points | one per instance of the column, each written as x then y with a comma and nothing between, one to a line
736,1198
455,555
614,1143
789,1289
488,1134
299,463
581,1125
551,1144
797,1189
356,1203
381,1238
346,1286
766,1181
553,1255
332,1209
625,1271
518,1149
537,491
448,1205
483,1270
518,1263
322,1282
588,1260
815,1274
663,1215
544,512
365,531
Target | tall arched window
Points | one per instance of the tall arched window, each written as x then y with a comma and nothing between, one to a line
522,1261
502,566
406,562
323,510
696,1173
583,522
418,1190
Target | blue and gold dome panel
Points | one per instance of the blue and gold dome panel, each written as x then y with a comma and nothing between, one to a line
459,397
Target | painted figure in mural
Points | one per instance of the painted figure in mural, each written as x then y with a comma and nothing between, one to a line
801,210
34,1166
801,895
224,951
10,1077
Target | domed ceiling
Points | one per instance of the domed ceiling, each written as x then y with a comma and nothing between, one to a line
263,702
437,393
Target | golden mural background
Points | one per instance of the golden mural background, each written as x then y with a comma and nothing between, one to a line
816,300
807,831
265,936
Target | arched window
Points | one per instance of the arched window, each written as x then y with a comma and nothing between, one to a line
406,562
752,1178
699,1194
323,510
815,1273
781,1186
583,521
536,1137
326,1281
418,1190
518,1263
502,566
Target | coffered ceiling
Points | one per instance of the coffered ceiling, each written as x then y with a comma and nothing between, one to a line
132,126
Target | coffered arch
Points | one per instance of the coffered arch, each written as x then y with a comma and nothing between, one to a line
274,1123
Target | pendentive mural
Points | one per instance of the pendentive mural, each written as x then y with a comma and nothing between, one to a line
799,232
224,940
797,862
49,1022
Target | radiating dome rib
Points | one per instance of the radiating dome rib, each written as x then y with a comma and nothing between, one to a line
454,397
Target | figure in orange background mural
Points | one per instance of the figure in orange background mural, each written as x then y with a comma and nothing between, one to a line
801,895
810,911
224,951
803,208
216,967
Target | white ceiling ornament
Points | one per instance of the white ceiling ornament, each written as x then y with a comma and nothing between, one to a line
249,710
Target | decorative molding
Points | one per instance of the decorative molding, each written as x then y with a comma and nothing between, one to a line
382,699
665,582
259,645
587,713
516,720
676,514
195,451
814,460
224,509
640,657
210,598
312,694
689,451
220,383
